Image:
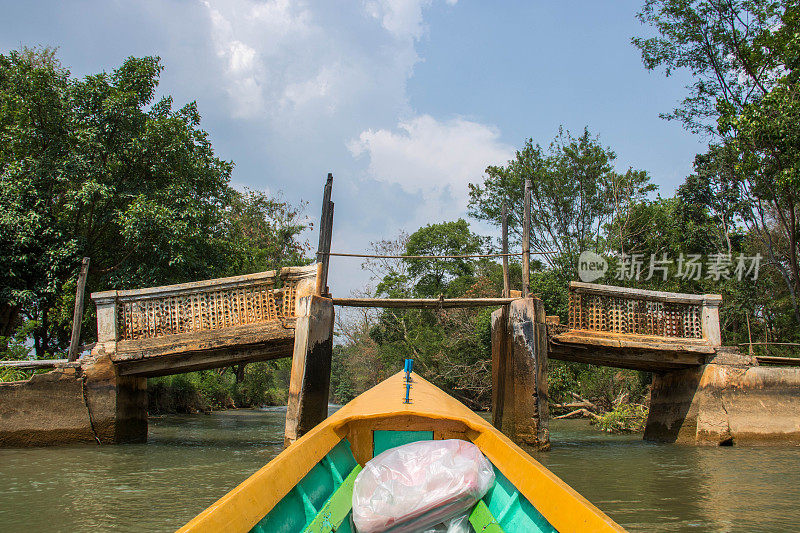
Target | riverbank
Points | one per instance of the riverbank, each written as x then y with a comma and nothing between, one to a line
191,460
247,386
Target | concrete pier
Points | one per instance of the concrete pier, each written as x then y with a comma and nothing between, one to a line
82,402
723,404
519,372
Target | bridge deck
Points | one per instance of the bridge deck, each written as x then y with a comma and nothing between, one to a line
638,329
638,352
186,352
208,324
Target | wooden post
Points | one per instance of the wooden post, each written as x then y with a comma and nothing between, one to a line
526,240
310,379
519,373
506,281
77,316
500,356
325,234
323,219
327,258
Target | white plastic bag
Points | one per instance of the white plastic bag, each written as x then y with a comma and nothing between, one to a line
415,486
458,524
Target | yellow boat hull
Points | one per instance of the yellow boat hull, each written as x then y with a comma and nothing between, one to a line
380,410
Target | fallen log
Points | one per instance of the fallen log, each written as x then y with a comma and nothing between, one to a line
574,405
585,401
578,413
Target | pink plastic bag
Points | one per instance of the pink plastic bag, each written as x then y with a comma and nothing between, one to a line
418,485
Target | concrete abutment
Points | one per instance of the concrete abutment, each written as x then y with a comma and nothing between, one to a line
82,402
717,404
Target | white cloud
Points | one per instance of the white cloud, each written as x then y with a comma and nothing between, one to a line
401,18
288,62
432,157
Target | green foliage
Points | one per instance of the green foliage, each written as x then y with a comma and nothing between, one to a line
625,418
575,193
743,55
735,50
99,167
435,277
262,384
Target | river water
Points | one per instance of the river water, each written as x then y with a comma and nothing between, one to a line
192,460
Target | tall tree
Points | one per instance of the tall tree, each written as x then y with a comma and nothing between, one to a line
732,48
99,167
743,55
575,194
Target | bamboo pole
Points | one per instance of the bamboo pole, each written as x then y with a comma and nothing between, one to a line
526,240
34,364
421,303
77,316
465,256
506,281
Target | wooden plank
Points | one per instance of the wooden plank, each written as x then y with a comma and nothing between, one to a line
35,363
526,240
421,303
336,509
202,341
77,316
323,273
642,294
323,218
482,519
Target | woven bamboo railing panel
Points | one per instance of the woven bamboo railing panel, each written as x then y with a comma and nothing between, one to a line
205,309
634,315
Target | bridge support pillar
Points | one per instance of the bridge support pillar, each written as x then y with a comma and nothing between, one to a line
81,402
311,367
724,404
519,372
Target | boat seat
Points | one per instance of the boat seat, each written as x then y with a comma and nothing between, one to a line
336,509
483,520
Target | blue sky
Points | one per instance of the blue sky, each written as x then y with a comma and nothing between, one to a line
405,101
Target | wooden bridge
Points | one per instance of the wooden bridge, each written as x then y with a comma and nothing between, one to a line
638,329
257,317
206,324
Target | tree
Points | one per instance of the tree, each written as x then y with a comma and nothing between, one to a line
434,276
743,55
262,232
575,194
98,167
735,50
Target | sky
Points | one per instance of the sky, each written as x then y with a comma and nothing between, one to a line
404,101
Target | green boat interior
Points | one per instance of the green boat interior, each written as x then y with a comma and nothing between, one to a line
322,501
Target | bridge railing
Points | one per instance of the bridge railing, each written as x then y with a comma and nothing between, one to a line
203,305
627,311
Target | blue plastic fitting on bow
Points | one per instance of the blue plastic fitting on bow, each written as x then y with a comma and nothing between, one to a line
409,367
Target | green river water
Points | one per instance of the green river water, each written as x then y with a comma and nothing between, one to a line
192,460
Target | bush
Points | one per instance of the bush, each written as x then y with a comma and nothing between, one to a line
625,418
261,384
